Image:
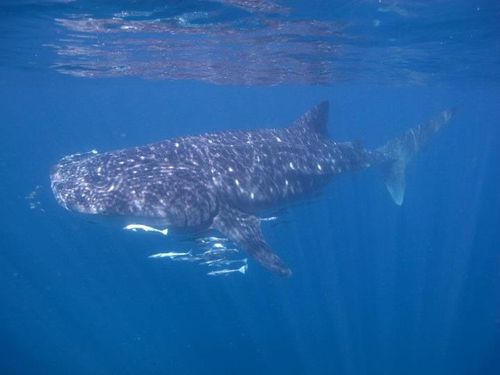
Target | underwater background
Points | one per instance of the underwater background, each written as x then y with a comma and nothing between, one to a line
376,289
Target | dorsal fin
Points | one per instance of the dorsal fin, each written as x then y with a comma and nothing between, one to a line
315,119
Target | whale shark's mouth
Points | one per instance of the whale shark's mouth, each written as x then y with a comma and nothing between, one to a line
56,183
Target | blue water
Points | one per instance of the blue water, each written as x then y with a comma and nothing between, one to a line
377,289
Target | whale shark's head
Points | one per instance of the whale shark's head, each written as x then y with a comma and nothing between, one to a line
133,186
79,185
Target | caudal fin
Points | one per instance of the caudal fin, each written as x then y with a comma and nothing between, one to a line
399,151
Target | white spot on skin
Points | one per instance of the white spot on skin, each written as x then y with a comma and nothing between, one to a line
252,195
230,169
237,182
291,165
319,167
176,144
286,182
278,139
111,188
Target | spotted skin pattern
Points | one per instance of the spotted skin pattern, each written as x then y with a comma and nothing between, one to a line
212,181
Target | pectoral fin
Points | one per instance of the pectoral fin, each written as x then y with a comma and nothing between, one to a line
244,230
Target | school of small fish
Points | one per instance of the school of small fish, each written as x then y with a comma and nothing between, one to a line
213,252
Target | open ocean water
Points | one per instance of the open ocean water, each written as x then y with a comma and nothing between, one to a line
376,288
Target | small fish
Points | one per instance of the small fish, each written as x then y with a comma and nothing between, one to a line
171,255
225,272
271,218
213,262
224,262
189,258
145,228
217,252
228,262
212,239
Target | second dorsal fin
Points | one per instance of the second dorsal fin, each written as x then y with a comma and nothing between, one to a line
315,120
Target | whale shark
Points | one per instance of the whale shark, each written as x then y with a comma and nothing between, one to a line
222,181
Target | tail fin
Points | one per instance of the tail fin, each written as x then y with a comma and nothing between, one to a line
398,151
